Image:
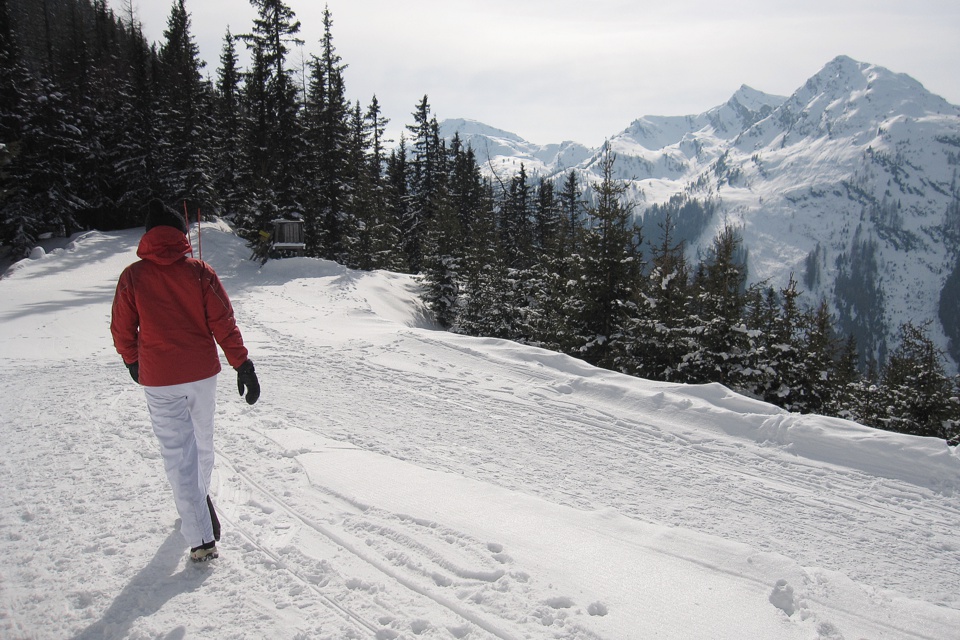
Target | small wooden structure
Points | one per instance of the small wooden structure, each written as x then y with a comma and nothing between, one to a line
286,240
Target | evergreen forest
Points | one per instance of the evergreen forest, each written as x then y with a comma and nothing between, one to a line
95,121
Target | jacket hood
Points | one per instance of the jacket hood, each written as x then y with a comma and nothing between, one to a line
163,245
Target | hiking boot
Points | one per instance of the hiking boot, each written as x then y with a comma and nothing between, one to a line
206,551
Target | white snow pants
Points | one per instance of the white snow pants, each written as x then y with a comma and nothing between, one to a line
182,417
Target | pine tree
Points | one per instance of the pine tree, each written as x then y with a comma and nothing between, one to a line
659,335
557,293
132,147
442,239
516,221
274,144
359,216
918,397
717,327
263,201
784,351
317,235
18,229
469,192
485,305
424,185
43,178
186,124
99,97
794,354
546,228
538,281
382,228
369,235
398,201
565,315
231,170
611,272
819,380
442,266
762,313
328,133
572,222
846,383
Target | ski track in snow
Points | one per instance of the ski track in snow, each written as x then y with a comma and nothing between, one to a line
521,424
89,545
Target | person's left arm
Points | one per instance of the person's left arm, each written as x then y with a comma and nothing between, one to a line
220,319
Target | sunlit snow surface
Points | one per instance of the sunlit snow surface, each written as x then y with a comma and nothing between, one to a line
396,481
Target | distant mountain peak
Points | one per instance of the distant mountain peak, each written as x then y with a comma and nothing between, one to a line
468,128
845,98
861,85
846,62
504,150
755,100
746,107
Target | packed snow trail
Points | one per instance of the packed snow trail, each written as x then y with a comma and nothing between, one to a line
395,481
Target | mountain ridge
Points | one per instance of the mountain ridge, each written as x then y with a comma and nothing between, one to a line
851,178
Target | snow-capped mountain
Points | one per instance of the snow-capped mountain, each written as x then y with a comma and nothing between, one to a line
503,152
673,146
850,184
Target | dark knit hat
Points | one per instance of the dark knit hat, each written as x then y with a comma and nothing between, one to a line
159,214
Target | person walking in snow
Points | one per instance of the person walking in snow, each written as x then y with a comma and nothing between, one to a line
170,312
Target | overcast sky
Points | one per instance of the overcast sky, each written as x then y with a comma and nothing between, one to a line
583,70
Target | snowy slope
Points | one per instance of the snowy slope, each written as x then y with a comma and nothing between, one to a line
814,169
395,481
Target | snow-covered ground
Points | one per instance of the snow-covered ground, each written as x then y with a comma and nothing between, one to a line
395,481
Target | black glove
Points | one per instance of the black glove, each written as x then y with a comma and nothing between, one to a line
247,377
134,369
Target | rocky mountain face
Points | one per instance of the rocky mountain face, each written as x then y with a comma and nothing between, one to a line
850,185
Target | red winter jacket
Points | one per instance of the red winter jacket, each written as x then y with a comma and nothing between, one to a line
168,311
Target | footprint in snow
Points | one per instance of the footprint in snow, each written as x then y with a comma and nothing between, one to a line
782,597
